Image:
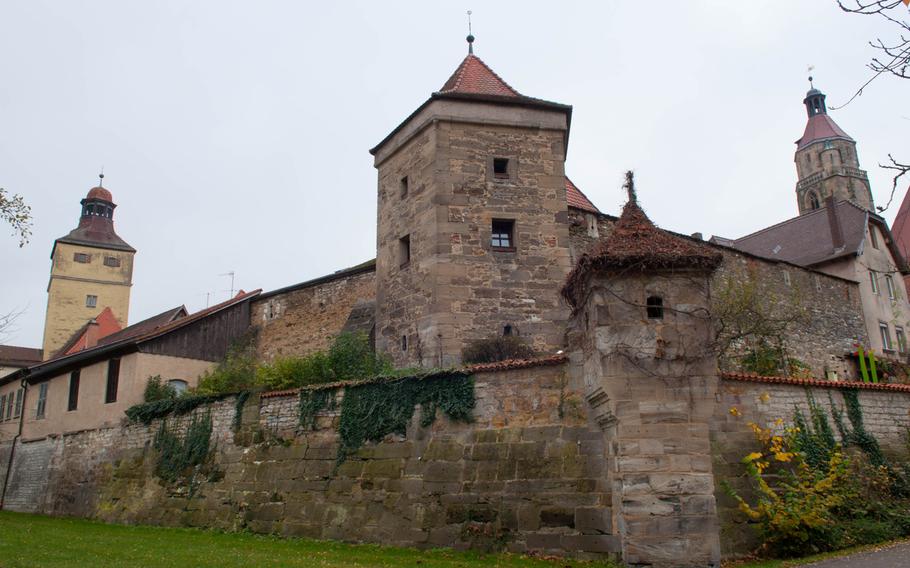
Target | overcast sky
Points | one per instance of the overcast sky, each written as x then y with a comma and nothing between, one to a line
234,135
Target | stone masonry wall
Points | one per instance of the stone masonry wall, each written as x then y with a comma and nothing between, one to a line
308,318
886,416
834,319
528,474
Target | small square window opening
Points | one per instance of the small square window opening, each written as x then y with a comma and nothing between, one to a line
91,301
404,250
655,307
82,257
503,234
501,168
112,261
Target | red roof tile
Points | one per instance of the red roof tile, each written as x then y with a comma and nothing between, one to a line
474,77
820,127
100,193
97,328
814,382
577,199
13,356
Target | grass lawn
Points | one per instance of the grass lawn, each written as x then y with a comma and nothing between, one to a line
38,541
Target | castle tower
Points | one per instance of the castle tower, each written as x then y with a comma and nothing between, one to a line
472,232
826,161
91,269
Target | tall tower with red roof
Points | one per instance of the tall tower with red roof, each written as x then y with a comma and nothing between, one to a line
826,161
472,220
91,269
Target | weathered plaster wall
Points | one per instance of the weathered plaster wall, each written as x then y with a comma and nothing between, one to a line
308,318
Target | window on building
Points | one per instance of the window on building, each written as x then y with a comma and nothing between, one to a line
73,401
403,187
91,301
404,251
787,277
501,168
178,385
873,237
113,381
873,279
111,261
42,401
404,342
889,285
886,336
2,408
901,339
503,234
20,394
10,402
507,331
655,307
814,203
82,257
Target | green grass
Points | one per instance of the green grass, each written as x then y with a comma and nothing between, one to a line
38,541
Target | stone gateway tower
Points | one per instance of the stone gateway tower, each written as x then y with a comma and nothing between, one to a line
826,161
473,223
91,269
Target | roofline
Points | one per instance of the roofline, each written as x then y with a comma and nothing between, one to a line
578,189
801,146
491,99
69,241
124,346
362,268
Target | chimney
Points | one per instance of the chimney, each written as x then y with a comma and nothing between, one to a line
837,233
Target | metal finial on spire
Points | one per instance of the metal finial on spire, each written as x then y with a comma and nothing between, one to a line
101,177
629,186
470,36
810,69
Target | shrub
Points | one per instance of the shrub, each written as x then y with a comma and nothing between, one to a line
157,389
495,349
290,372
235,373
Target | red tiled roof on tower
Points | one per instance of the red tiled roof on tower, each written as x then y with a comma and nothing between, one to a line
636,244
474,77
577,199
821,127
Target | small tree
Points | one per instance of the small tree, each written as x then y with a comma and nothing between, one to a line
157,389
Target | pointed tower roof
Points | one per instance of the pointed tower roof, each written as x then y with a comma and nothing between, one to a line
636,244
475,77
820,126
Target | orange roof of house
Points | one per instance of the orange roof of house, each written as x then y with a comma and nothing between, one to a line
577,199
95,329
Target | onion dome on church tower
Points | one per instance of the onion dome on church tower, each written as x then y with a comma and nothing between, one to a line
96,223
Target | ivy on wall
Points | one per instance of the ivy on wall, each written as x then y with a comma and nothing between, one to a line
371,411
179,457
149,411
313,401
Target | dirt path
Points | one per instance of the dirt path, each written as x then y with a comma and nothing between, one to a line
897,556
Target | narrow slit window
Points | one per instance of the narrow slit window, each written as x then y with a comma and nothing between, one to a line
404,250
503,234
655,307
42,401
72,402
501,168
403,187
404,342
113,381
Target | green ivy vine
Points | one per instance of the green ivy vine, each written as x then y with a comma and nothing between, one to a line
313,401
371,411
176,455
149,411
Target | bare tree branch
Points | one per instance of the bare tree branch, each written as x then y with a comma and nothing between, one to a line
901,169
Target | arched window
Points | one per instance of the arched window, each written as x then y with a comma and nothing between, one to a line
178,385
813,200
655,306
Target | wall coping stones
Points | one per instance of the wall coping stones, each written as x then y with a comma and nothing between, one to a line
509,365
750,377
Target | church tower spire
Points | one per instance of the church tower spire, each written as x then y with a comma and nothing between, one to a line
91,269
826,161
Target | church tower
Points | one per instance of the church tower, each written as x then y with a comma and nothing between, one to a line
826,161
472,225
91,269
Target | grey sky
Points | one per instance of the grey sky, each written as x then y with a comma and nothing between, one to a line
234,135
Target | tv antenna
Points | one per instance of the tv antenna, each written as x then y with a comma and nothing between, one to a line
231,274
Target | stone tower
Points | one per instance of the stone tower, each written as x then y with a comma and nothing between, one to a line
826,161
91,269
472,234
